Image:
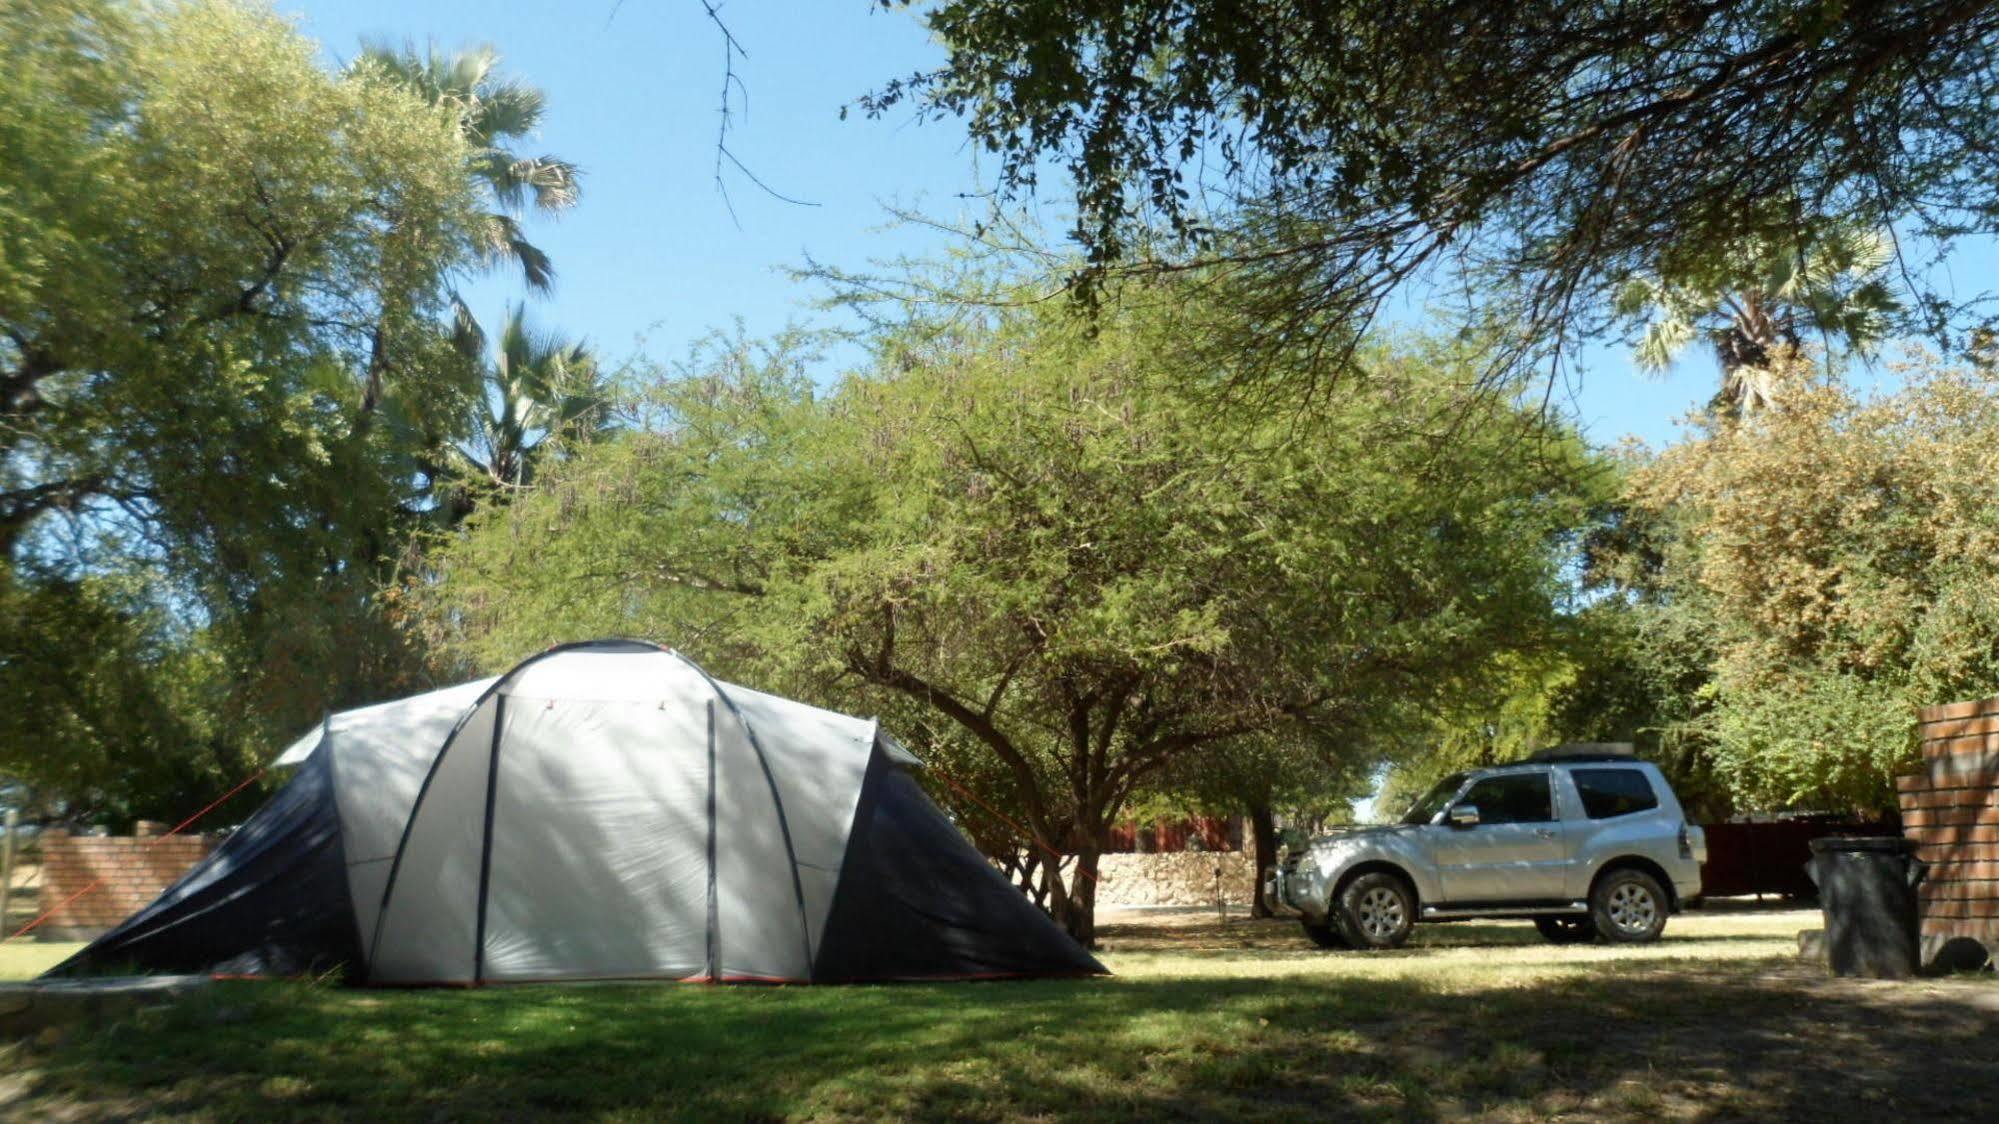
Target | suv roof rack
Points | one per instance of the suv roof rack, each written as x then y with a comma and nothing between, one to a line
1586,751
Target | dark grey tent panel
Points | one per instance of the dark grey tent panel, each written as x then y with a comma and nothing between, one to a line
605,810
272,900
918,901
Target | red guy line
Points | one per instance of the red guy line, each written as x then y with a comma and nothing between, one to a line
1001,816
63,904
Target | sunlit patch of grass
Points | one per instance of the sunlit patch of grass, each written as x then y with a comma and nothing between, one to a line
25,959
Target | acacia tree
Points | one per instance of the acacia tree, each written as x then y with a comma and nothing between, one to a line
1834,558
205,228
1563,144
205,241
1303,773
1039,539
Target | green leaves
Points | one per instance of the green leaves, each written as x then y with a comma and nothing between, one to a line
487,110
1328,157
1760,300
1034,544
222,280
1833,556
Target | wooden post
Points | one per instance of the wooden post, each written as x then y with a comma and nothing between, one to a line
7,863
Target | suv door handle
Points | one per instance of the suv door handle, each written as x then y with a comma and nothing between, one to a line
1545,832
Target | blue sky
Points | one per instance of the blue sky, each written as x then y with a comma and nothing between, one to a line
652,259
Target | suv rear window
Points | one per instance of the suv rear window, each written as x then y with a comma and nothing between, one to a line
1614,792
1511,798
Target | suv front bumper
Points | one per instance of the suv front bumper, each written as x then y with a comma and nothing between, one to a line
1293,893
1275,885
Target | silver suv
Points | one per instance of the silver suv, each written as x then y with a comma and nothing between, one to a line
1587,841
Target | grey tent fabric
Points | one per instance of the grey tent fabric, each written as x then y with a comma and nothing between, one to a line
606,810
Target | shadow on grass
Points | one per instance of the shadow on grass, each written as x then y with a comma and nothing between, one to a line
1753,1040
1281,939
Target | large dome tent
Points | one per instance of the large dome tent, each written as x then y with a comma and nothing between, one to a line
604,810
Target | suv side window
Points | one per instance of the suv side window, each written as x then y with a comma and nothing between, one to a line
1614,792
1511,798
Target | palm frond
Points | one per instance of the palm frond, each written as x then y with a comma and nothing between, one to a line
1665,337
500,240
508,109
467,337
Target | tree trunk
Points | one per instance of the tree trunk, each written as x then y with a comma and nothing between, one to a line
1263,829
1076,903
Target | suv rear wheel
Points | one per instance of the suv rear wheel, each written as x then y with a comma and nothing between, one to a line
1628,907
1376,911
1566,930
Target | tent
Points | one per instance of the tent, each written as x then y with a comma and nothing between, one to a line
605,810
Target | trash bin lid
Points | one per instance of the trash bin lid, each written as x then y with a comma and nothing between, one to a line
1892,844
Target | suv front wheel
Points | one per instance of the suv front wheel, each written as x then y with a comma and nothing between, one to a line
1325,936
1376,911
1628,907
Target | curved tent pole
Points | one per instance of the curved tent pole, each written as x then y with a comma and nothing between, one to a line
450,741
776,801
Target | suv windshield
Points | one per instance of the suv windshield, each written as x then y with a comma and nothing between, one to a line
1433,801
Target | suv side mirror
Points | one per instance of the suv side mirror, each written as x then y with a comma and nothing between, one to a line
1464,815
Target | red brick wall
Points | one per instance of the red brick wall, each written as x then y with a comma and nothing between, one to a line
1168,836
134,871
1951,809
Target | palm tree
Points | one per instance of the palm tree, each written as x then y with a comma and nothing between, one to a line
492,111
1757,301
539,388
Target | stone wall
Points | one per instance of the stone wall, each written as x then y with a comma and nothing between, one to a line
129,872
1176,878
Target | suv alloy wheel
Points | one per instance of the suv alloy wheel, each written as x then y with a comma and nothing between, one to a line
1628,907
1376,911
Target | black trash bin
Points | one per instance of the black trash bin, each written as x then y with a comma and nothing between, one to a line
1867,890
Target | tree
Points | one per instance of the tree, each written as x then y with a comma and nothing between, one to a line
540,389
490,111
114,714
1756,303
211,226
1329,153
1300,774
211,249
1035,535
1834,557
1499,713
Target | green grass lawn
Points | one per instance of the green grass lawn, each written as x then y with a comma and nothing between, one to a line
1201,1021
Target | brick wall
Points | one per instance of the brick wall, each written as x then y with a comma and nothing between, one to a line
133,870
1951,809
1215,834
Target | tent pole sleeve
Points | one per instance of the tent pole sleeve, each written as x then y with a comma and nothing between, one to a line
714,899
486,840
451,739
776,801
